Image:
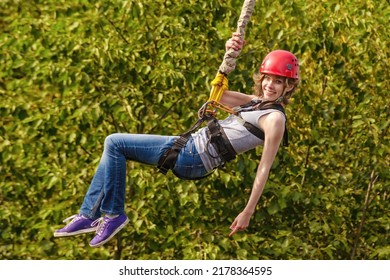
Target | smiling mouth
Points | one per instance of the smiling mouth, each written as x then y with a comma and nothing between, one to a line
270,92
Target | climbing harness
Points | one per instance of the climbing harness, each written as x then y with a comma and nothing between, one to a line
217,137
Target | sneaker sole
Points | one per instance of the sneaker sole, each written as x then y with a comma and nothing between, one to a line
66,234
112,235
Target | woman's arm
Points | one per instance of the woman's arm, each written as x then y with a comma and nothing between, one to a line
235,98
273,126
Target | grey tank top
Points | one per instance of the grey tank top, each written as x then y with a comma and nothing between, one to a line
240,138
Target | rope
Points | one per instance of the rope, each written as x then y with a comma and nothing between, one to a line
229,60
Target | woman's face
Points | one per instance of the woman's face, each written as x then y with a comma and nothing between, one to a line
273,87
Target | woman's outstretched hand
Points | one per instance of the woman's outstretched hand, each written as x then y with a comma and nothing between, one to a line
240,223
236,43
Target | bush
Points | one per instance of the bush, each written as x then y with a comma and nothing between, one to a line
74,71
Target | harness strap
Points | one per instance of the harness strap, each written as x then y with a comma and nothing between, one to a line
168,160
260,134
219,140
257,131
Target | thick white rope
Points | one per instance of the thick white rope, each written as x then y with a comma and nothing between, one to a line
229,60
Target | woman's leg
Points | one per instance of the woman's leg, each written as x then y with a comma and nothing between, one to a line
106,193
92,200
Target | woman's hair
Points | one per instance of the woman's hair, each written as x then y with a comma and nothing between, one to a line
258,91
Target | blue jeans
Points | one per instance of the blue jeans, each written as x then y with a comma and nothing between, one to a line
106,193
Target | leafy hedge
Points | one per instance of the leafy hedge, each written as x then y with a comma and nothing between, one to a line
74,71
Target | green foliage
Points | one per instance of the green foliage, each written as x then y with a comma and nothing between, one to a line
73,72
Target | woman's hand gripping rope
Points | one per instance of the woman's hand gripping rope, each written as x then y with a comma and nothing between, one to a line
236,42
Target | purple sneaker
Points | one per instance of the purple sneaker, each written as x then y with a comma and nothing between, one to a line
78,225
107,229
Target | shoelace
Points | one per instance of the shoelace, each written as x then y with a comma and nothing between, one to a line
101,223
73,219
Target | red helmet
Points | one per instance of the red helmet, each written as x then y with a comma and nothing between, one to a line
281,63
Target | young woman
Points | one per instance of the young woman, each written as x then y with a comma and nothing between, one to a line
102,210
